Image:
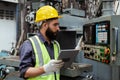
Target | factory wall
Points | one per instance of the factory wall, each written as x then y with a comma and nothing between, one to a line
7,25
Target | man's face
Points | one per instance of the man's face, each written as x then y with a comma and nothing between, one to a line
53,28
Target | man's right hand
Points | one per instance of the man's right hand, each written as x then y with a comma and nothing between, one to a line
53,65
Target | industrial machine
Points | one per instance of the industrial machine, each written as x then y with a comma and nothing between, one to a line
9,64
9,68
101,42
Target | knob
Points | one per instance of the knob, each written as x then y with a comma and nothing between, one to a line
107,51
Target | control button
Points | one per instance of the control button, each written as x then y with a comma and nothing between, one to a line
102,54
107,61
88,49
85,48
92,53
95,57
107,51
103,60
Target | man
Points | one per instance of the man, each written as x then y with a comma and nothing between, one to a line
38,54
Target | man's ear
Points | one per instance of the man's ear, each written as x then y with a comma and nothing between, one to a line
45,25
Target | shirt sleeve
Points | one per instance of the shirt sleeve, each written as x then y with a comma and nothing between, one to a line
27,58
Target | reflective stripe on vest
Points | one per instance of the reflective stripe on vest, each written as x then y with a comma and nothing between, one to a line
42,57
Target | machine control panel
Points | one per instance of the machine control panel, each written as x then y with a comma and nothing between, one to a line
96,37
98,53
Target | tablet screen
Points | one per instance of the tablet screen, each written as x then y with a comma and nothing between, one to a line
68,56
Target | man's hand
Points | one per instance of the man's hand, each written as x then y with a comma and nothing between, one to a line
53,65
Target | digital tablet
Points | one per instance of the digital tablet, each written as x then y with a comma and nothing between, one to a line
68,56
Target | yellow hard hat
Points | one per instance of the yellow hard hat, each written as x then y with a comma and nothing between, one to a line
46,12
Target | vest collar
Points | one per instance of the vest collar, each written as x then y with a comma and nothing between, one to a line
43,39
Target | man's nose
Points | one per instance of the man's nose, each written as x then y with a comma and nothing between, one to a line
58,28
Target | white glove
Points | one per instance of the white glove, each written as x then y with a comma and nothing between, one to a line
53,65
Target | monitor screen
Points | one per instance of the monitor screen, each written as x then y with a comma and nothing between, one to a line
67,39
102,33
89,34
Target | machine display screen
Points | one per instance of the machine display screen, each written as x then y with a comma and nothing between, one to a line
102,33
89,34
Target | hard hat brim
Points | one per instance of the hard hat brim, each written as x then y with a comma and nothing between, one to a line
59,16
55,17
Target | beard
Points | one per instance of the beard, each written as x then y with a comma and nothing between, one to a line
50,34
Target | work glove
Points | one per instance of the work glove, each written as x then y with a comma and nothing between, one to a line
53,65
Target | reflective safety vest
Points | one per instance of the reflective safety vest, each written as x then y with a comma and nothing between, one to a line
42,57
